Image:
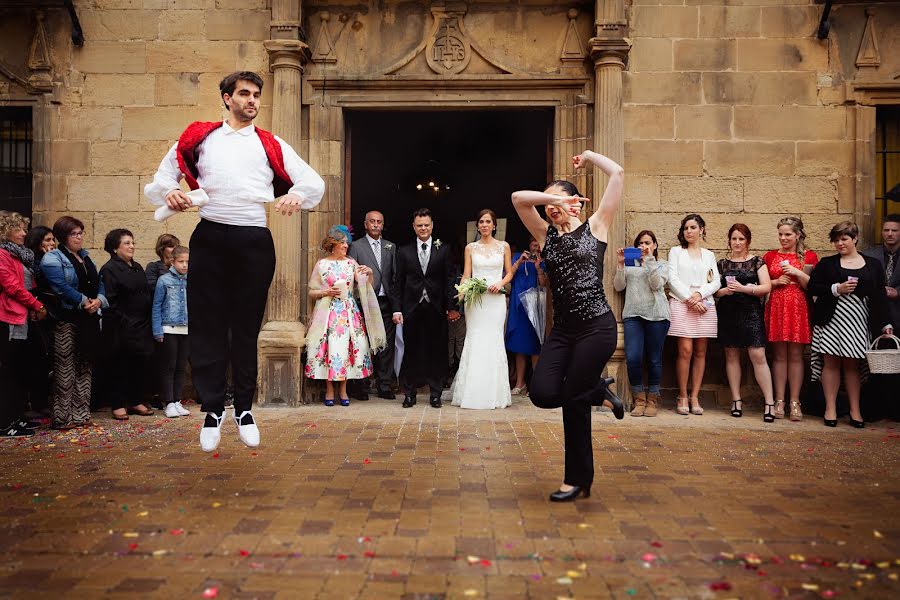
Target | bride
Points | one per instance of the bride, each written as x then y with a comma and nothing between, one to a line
483,378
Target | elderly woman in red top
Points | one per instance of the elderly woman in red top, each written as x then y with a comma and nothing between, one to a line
17,307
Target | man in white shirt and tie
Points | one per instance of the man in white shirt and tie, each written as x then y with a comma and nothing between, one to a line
241,168
373,251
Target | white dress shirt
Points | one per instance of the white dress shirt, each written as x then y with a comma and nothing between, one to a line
375,245
235,172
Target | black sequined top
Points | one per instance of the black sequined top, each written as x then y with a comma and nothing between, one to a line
574,265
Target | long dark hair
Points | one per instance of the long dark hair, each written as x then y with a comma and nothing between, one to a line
567,186
35,239
637,240
691,217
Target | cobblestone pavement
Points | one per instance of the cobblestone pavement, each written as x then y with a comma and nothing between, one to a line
373,501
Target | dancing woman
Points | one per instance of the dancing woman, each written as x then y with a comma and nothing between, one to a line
583,338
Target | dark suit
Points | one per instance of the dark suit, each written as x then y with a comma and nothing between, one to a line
424,322
361,251
880,390
878,254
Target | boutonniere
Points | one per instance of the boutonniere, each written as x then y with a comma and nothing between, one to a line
388,246
437,243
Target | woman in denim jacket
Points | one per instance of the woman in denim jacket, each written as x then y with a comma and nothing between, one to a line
80,296
170,329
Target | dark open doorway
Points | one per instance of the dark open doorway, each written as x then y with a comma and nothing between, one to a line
463,161
15,159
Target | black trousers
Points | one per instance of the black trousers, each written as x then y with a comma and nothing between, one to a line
228,285
424,349
13,376
126,376
384,360
172,355
568,376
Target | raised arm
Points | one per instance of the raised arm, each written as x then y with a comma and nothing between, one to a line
526,202
602,218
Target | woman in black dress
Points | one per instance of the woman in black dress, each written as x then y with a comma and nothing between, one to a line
583,338
742,322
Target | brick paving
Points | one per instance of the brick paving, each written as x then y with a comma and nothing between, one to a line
373,501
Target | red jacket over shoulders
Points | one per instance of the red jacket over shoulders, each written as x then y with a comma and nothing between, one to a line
15,300
197,131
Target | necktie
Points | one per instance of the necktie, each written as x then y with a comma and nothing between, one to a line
376,249
889,267
423,256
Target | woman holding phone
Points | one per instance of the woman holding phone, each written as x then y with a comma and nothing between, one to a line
521,337
645,319
849,312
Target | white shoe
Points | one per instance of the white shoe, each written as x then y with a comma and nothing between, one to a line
182,411
172,411
249,434
210,436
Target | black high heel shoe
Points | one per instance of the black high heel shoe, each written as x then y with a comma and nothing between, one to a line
561,496
618,407
857,424
735,411
829,422
768,415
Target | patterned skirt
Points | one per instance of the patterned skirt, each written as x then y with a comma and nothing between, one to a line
689,323
846,335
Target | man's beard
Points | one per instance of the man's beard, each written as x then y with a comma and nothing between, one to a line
241,115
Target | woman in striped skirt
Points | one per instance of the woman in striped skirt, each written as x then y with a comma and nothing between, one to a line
850,310
693,279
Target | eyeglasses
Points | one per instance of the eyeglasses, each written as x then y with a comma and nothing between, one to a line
77,234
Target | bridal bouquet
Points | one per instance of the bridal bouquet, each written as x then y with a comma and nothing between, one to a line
471,290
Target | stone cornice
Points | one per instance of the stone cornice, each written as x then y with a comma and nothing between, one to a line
609,50
287,54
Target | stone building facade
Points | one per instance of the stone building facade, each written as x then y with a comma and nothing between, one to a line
735,110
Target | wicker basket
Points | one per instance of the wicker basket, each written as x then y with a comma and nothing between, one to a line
885,362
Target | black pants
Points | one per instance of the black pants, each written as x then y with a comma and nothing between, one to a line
125,379
384,360
569,375
40,363
172,356
13,376
228,285
424,349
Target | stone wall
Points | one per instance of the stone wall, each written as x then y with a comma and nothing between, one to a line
147,69
728,114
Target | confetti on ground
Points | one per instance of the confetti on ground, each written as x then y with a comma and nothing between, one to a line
211,592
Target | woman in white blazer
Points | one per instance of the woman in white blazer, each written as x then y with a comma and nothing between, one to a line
693,279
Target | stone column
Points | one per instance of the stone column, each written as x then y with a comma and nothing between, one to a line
609,48
283,336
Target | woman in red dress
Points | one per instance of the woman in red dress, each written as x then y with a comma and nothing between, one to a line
787,311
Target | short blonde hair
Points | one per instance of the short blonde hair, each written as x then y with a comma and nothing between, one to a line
10,221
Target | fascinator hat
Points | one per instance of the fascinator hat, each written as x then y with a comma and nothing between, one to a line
340,232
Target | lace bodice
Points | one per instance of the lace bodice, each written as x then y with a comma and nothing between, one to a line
487,260
575,269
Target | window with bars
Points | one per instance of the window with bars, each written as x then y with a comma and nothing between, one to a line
887,164
15,159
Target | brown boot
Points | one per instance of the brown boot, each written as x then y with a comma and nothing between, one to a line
652,405
640,404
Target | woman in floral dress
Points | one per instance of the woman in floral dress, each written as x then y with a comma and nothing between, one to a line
787,312
338,345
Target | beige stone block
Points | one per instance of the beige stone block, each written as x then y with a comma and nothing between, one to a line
712,194
846,189
664,21
749,158
786,194
127,158
650,54
661,157
70,156
177,89
182,25
825,158
90,123
789,122
759,88
705,55
118,25
641,193
649,121
117,90
704,122
154,122
664,226
177,57
237,24
103,192
662,88
326,157
789,21
111,57
141,224
782,55
245,4
182,225
729,21
49,193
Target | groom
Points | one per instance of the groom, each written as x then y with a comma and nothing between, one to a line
421,294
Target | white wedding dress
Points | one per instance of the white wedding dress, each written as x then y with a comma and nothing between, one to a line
482,381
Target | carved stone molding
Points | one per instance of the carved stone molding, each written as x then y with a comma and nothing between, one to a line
609,50
572,54
41,78
323,52
287,54
868,55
